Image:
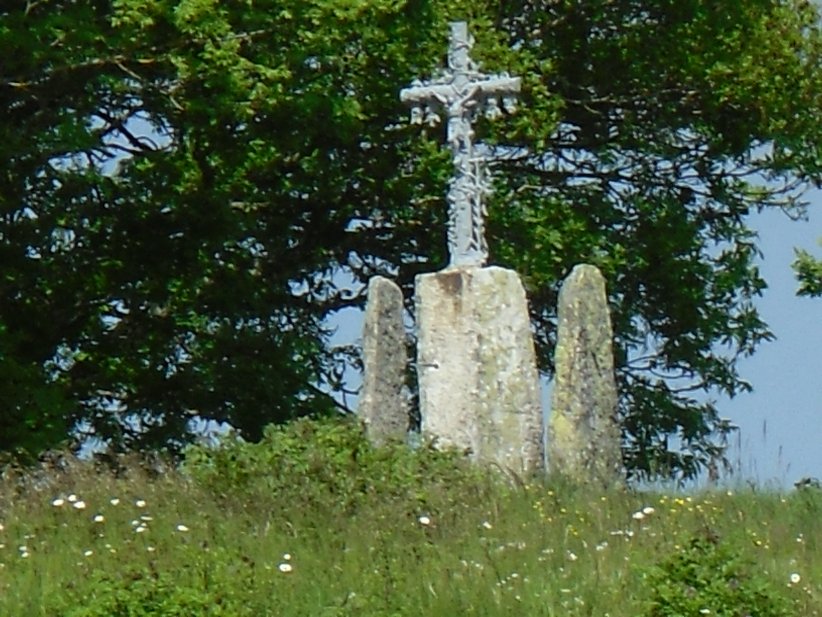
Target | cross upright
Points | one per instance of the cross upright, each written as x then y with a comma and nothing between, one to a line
462,91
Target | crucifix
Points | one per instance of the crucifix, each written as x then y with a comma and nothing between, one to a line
462,91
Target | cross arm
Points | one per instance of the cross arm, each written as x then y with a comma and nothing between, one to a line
499,85
446,93
426,94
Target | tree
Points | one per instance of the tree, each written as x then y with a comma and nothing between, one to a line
809,272
180,179
677,119
183,178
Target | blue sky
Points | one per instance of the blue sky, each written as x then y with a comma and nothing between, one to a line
780,437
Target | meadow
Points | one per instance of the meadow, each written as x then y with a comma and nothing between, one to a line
312,521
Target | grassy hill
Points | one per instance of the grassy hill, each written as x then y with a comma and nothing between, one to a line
314,522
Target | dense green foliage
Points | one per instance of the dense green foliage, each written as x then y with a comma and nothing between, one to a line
141,595
310,462
417,533
707,578
809,272
182,178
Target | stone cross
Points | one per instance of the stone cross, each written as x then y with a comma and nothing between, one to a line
462,91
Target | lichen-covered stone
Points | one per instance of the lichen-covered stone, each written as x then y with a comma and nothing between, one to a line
584,436
383,405
478,381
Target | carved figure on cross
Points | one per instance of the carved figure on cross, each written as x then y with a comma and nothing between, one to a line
462,92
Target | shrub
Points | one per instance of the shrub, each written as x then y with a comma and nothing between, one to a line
704,578
327,462
151,595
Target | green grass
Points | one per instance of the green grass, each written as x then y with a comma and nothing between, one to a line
313,522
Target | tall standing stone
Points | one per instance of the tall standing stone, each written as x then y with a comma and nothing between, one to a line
383,406
478,381
584,436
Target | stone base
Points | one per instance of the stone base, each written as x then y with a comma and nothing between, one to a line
478,381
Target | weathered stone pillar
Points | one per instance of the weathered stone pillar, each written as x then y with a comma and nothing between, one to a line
584,437
383,405
478,381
